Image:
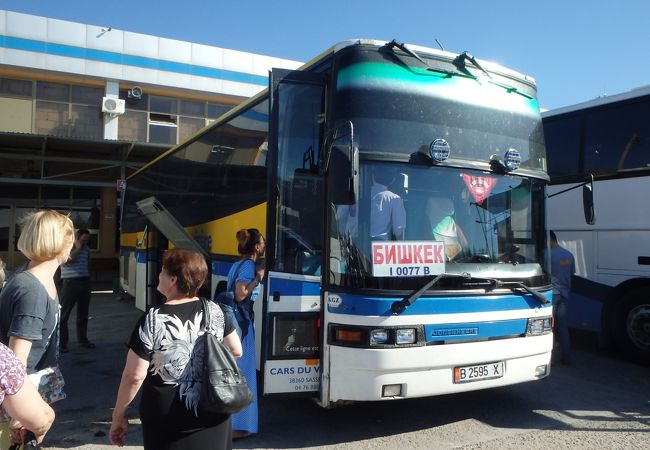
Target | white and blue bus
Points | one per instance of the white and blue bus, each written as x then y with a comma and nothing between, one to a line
608,139
343,317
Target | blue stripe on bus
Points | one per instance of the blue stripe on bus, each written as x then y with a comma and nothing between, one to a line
474,330
295,287
71,51
283,286
141,257
376,306
221,268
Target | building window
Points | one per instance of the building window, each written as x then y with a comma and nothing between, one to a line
87,95
52,91
192,108
52,118
22,88
215,110
162,129
133,126
166,105
86,122
188,126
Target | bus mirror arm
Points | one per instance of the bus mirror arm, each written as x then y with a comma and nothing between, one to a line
587,198
590,182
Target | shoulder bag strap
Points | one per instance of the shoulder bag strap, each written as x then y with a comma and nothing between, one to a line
205,323
234,278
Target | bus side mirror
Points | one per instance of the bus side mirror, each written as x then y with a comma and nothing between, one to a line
354,175
588,203
343,175
341,165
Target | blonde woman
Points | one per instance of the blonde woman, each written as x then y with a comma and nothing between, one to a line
29,305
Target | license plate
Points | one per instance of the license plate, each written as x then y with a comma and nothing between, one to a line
479,372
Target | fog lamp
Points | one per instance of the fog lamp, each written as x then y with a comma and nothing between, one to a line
512,159
405,336
378,337
538,327
391,390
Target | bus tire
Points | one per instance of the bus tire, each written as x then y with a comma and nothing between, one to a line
631,325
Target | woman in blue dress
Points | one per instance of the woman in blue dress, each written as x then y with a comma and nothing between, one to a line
245,275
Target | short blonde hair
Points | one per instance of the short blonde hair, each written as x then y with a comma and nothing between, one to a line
45,234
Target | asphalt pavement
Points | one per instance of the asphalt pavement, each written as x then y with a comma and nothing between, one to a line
92,377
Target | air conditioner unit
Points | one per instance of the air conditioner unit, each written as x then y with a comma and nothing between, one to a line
114,106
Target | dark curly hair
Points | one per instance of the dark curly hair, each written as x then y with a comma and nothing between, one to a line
247,238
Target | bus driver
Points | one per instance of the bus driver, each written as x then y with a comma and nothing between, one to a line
440,211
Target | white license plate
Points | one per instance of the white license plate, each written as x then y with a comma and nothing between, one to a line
479,372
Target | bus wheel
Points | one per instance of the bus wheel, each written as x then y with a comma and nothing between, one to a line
632,326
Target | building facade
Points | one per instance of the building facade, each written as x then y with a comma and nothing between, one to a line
82,106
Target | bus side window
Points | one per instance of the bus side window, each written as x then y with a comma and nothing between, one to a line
301,217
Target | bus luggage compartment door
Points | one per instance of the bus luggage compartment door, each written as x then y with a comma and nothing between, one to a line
292,334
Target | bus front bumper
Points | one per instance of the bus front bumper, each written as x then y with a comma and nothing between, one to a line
370,374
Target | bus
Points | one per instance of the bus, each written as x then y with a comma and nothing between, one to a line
343,316
607,140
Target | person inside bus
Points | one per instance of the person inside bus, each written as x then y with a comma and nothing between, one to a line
246,276
160,360
562,268
440,212
387,213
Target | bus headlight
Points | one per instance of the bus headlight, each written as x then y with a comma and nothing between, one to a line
405,336
538,327
378,337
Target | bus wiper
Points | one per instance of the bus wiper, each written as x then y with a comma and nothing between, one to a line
400,306
392,44
514,286
489,284
460,63
405,49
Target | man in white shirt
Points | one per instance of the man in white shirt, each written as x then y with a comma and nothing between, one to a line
387,213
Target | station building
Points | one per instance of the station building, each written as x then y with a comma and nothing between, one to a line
83,106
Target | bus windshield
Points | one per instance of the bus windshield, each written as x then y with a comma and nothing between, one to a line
489,226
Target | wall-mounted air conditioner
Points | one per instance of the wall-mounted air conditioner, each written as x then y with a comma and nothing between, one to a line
114,106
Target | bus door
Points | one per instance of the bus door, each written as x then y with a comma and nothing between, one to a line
167,225
291,335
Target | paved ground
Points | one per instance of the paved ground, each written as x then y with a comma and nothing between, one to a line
600,402
92,377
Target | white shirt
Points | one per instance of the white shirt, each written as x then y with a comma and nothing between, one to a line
387,213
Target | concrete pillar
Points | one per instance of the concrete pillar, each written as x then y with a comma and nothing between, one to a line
111,121
108,223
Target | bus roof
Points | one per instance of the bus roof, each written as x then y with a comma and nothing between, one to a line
440,54
605,100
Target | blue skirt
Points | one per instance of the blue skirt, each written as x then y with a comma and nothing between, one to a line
246,419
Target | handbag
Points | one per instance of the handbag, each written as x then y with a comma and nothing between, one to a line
49,382
224,388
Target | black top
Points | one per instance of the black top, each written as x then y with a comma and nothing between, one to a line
171,338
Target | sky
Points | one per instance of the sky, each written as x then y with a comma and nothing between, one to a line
576,50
